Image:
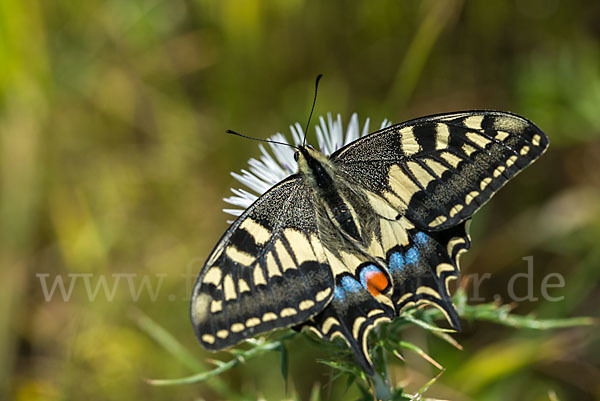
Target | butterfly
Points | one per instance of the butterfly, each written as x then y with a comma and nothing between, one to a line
353,239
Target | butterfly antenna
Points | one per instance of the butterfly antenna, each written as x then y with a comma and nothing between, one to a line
232,132
312,108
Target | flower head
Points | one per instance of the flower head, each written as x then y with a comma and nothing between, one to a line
269,169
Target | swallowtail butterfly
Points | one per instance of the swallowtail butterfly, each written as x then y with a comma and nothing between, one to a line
353,239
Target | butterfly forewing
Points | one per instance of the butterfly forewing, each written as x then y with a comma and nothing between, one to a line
268,271
438,170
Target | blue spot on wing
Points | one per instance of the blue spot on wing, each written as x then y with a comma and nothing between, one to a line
412,255
397,261
420,238
339,293
365,273
347,285
350,284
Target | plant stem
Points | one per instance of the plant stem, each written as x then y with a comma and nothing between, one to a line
382,388
381,380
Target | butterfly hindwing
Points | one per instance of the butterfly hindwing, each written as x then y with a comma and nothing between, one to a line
422,269
268,271
439,170
418,266
360,303
420,263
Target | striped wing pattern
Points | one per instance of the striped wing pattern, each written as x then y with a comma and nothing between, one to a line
407,192
422,270
439,170
354,310
403,267
268,271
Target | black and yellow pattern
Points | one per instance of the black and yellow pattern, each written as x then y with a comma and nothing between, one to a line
270,270
353,239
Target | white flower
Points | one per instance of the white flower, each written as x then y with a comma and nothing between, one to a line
267,171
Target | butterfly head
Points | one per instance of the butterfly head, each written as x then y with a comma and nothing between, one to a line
315,166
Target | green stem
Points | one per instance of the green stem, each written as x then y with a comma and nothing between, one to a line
224,366
381,380
382,388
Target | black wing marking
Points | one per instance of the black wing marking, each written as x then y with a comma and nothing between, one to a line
269,270
438,170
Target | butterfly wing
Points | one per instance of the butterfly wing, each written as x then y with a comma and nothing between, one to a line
361,301
269,270
401,266
424,179
410,189
438,170
422,269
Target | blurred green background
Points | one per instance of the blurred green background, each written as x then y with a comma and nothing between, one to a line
114,162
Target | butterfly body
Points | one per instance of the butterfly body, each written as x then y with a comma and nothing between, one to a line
354,238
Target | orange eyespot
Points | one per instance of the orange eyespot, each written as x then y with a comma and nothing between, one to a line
377,282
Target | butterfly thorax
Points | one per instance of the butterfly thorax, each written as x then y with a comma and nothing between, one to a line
320,172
